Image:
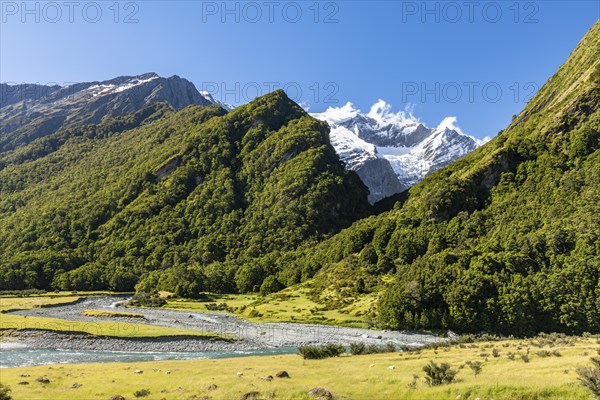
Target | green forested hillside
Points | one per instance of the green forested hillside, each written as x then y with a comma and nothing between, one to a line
506,239
209,198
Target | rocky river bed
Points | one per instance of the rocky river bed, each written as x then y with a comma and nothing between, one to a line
246,335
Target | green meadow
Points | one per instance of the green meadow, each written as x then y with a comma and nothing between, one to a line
549,373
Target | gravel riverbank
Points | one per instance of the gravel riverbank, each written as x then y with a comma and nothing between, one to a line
248,335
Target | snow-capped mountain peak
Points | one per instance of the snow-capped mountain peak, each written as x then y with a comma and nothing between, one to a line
338,115
392,151
55,106
382,114
210,98
108,87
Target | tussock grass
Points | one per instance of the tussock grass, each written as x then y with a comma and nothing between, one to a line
362,377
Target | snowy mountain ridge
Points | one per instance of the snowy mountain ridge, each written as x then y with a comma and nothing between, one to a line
391,151
31,111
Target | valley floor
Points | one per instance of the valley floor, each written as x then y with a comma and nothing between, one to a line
528,369
217,330
543,376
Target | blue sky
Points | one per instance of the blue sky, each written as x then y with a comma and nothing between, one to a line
478,61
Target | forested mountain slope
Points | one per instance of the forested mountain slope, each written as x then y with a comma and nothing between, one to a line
505,239
206,196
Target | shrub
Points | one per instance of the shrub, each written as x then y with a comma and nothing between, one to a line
495,353
255,314
357,348
270,285
546,353
543,353
141,393
439,374
361,348
320,352
219,307
413,384
590,377
389,347
476,367
5,392
407,349
143,299
21,293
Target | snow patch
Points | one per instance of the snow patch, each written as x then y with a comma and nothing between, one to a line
381,112
336,115
210,98
429,149
103,89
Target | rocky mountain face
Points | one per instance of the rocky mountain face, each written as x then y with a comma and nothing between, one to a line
393,151
31,111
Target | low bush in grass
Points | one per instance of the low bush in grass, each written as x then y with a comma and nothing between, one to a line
546,353
439,374
141,393
143,299
590,377
475,367
5,392
319,352
21,293
219,307
362,348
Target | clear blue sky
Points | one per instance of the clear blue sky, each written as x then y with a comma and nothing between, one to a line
440,58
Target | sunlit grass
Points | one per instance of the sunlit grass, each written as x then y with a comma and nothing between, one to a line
357,377
100,328
290,305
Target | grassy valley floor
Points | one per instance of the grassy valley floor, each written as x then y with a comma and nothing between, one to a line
293,304
122,327
548,374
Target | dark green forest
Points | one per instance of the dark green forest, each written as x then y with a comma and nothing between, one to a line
507,239
204,199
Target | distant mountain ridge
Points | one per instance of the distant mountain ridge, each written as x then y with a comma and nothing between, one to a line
505,239
393,151
200,199
389,151
31,111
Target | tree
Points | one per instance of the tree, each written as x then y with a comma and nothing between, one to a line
270,285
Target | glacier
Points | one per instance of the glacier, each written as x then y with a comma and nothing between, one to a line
392,151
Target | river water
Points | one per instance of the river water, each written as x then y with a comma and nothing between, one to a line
49,347
21,356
